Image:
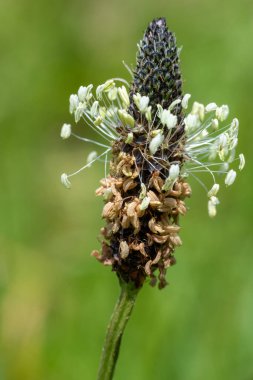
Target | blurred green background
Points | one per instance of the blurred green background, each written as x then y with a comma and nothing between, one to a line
55,299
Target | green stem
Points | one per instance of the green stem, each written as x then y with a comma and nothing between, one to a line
119,319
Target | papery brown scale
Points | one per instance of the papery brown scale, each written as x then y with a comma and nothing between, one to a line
140,239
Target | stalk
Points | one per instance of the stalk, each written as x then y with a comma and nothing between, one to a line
118,322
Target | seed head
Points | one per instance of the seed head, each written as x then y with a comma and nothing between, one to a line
157,74
155,145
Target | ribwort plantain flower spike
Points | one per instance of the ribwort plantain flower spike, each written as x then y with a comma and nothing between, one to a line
157,143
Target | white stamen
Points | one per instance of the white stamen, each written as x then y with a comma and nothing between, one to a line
108,85
126,118
65,181
173,175
123,94
148,114
191,122
155,143
84,93
73,103
174,171
185,100
211,107
141,102
94,109
214,190
168,119
112,93
98,121
129,138
215,124
143,191
235,123
79,111
211,209
214,200
99,91
198,109
144,204
144,100
65,131
230,177
102,112
242,161
174,104
91,157
212,203
222,112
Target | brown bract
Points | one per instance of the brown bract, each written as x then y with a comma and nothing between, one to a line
140,242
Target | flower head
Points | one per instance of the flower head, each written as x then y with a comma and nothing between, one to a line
156,141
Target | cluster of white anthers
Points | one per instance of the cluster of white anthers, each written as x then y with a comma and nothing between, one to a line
209,145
